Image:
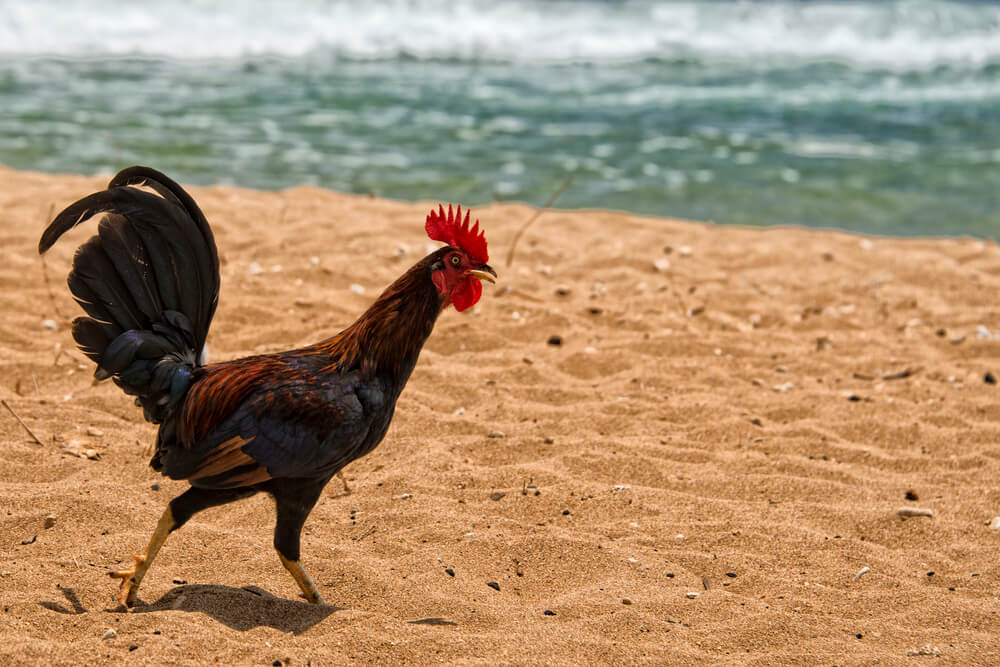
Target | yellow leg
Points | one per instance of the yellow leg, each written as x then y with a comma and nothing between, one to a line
133,577
309,589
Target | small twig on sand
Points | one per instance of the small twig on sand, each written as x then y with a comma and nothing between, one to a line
680,300
45,272
20,421
901,374
343,480
48,288
548,204
915,511
371,529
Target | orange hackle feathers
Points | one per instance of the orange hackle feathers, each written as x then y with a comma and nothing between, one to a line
451,229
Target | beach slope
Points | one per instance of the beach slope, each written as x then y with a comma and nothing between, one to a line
653,441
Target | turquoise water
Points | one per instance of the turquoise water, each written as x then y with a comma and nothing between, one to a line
881,117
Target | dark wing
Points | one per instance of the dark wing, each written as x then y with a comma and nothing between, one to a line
285,425
305,431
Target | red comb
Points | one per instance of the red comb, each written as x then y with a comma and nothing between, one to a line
451,229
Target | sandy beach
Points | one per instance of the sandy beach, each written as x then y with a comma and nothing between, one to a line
652,442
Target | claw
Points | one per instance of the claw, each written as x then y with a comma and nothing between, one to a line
133,577
130,583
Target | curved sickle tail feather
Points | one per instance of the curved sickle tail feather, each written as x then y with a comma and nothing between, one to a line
149,281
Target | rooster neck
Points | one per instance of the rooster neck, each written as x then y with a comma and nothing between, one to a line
388,337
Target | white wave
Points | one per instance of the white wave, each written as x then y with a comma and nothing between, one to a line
899,34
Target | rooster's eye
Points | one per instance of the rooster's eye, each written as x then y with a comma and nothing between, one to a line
456,260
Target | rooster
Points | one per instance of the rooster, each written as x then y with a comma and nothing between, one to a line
282,423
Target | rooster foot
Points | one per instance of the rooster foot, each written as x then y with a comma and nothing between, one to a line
133,577
306,585
130,581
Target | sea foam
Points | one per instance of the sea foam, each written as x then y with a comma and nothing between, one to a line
898,35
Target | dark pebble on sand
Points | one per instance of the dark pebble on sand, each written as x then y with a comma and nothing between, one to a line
555,340
931,573
549,612
494,585
859,635
670,575
989,378
911,495
731,575
155,487
276,663
180,582
450,572
565,512
133,647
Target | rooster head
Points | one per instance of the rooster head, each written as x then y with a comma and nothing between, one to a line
461,267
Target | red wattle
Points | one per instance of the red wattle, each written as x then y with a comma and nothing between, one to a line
466,294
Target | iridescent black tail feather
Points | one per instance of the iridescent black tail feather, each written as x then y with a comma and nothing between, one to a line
149,282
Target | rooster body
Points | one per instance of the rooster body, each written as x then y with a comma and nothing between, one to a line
282,423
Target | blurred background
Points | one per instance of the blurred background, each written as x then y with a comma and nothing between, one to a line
878,116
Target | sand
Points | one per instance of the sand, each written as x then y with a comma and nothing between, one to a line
697,474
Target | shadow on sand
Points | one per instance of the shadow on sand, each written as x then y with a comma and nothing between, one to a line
237,608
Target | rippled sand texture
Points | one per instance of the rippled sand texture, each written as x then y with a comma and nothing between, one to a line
698,473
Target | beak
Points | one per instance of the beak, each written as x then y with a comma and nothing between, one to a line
484,273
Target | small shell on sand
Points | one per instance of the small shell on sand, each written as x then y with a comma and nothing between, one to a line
915,511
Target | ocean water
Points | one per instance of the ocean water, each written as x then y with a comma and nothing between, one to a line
878,116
